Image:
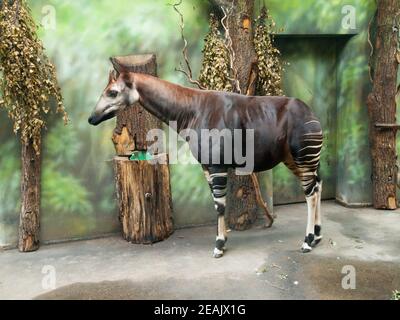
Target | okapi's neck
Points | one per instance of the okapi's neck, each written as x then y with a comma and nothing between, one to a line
167,101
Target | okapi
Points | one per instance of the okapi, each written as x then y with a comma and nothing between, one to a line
285,130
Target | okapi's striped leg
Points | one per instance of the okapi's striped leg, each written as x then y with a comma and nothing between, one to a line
217,180
305,163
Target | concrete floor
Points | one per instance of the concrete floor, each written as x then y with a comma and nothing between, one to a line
259,263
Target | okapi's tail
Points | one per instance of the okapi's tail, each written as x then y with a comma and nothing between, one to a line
319,177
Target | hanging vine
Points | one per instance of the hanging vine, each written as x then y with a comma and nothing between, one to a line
270,67
28,81
214,73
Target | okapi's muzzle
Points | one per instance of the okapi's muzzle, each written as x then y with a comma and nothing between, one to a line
96,119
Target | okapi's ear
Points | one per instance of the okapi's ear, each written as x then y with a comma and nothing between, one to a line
115,64
120,68
113,76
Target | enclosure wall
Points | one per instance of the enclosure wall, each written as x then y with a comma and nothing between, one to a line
328,57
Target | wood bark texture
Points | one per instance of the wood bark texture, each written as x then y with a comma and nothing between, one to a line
382,106
144,200
29,225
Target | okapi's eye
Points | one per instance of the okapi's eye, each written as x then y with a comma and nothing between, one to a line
112,93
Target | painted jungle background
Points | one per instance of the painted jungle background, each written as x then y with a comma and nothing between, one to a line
325,59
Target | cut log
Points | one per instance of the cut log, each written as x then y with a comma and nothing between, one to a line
29,226
143,188
382,107
144,199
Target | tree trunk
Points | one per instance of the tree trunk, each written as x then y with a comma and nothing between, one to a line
144,200
143,188
242,205
29,226
382,107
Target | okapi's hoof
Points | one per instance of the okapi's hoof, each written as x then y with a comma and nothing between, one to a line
218,253
305,248
316,241
269,225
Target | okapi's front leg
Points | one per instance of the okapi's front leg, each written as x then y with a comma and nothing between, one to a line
217,179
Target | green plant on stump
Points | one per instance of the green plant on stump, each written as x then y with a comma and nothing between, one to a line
214,73
396,295
28,78
269,64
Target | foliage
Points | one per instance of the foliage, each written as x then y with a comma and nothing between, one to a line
214,74
63,194
269,64
62,145
29,79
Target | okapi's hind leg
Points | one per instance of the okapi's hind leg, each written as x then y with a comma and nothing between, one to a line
304,163
318,217
217,180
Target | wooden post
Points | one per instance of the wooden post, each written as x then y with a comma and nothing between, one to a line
143,193
29,226
143,188
382,105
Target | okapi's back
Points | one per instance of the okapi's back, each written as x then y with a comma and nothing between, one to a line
245,112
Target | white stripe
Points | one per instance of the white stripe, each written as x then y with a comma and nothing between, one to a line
307,161
319,140
312,121
313,147
214,175
310,155
313,133
221,201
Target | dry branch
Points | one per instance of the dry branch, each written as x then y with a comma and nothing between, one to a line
229,47
188,73
260,200
372,49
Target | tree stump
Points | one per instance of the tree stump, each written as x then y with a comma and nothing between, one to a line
143,187
143,193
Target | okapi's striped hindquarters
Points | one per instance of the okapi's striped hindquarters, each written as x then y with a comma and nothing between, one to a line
303,160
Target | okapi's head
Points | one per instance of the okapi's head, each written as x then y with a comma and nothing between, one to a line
120,93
